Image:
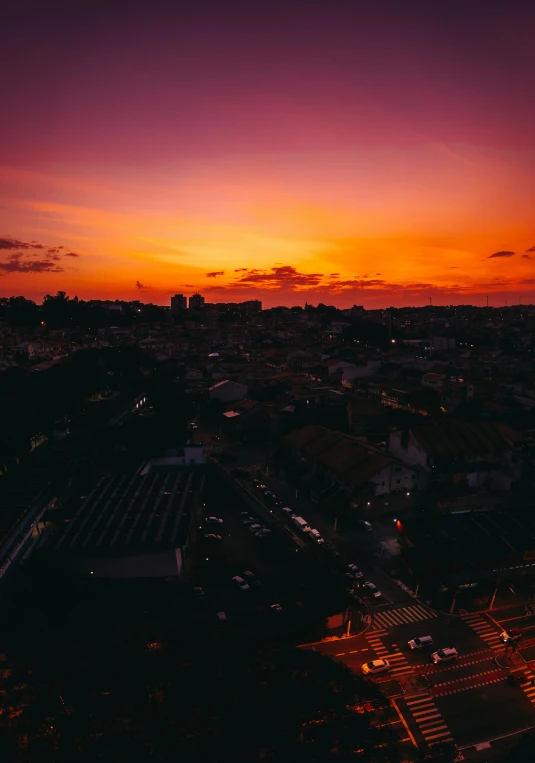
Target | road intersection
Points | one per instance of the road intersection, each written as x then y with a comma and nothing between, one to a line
468,701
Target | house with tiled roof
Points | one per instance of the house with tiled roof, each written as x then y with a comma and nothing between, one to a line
337,468
471,453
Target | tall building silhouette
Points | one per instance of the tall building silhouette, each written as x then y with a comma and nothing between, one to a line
196,302
178,302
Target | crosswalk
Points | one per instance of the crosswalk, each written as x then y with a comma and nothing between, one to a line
484,630
528,687
430,722
398,663
401,616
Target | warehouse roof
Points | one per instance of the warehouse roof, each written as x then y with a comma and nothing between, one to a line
461,439
128,514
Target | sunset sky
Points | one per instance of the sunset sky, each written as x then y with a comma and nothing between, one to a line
374,153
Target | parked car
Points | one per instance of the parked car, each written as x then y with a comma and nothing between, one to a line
213,521
513,634
354,570
288,512
444,655
212,536
240,582
248,521
251,578
221,616
420,642
373,590
276,607
262,487
375,666
263,532
316,537
199,593
254,528
365,525
243,514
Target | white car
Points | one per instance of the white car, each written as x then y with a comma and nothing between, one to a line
212,536
373,590
316,537
240,582
276,607
375,666
445,655
513,634
255,528
288,511
213,521
221,616
354,570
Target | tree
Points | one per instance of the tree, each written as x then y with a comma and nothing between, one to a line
193,701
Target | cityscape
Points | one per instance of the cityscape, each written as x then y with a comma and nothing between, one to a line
267,382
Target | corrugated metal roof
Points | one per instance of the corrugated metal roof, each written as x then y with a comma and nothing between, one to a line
456,439
126,515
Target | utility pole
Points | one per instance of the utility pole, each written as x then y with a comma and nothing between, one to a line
487,300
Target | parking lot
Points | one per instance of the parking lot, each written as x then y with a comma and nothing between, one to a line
288,574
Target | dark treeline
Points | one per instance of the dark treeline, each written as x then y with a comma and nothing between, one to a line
62,312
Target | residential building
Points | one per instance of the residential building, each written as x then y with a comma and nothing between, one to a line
329,463
474,454
196,302
228,391
252,305
178,302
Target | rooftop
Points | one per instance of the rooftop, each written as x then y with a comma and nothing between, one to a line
460,439
127,514
460,546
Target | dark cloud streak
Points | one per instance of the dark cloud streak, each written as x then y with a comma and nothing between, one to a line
504,253
19,257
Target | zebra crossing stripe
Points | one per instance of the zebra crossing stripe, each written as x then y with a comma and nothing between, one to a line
433,725
411,702
430,732
437,736
400,616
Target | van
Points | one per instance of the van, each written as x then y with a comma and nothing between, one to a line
302,524
314,534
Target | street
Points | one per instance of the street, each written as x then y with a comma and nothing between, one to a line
468,701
